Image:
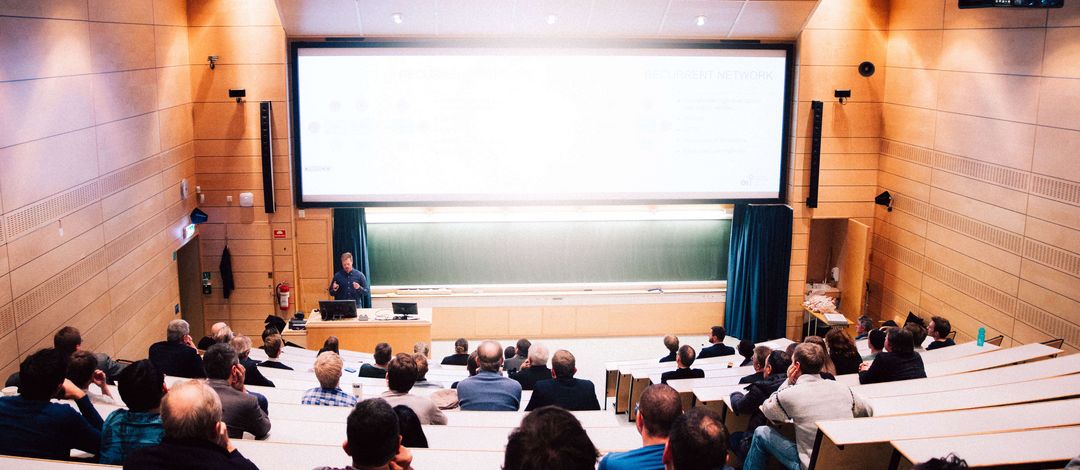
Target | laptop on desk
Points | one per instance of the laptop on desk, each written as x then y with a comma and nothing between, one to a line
337,309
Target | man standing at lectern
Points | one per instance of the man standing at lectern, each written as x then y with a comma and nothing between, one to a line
348,284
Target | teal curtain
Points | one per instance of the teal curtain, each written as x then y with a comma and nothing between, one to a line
350,235
759,260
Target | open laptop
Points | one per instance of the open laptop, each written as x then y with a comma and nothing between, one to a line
337,309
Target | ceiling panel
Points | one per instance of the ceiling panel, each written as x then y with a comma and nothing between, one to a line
418,18
762,19
476,17
681,18
620,18
322,18
571,17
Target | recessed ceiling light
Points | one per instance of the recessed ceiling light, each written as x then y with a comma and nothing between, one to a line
551,19
397,18
701,20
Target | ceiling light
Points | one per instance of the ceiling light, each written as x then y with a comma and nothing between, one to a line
397,18
701,20
551,19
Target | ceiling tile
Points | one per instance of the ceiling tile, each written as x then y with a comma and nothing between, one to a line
419,18
763,19
627,17
476,17
571,17
681,18
319,17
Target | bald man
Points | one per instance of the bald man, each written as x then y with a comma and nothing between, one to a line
488,390
209,340
195,436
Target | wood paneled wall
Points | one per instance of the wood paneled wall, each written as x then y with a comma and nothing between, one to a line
980,143
95,138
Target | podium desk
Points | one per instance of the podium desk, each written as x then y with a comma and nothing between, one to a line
359,335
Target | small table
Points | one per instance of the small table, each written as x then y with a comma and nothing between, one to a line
820,317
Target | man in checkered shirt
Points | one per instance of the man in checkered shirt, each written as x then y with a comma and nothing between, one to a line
328,370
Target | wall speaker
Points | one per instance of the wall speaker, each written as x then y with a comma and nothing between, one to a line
817,110
266,139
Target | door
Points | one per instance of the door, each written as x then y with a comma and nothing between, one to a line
854,267
189,274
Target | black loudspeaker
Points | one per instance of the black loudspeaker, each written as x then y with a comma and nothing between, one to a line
266,138
817,108
199,217
866,69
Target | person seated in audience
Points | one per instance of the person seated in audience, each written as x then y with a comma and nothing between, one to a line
373,438
805,398
268,332
242,345
899,362
656,412
218,332
509,352
842,352
383,351
564,390
400,377
470,366
68,340
671,342
177,356
421,348
195,436
535,369
421,372
696,441
141,387
82,371
225,375
521,353
863,326
488,390
461,354
330,344
273,345
32,426
718,348
828,370
685,359
749,403
758,358
412,432
889,324
918,335
328,368
875,340
746,350
939,330
550,438
952,462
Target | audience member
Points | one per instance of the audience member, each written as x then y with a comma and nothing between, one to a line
746,350
141,387
875,340
82,370
241,411
68,340
400,377
509,352
195,436
177,356
564,390
758,359
208,340
899,362
273,345
749,403
461,354
805,398
373,438
696,441
32,426
718,348
330,344
790,350
939,330
657,410
488,390
412,432
535,369
685,359
951,462
328,368
918,335
470,366
671,342
421,348
828,369
842,352
863,327
521,354
383,351
889,324
268,332
421,373
242,345
550,438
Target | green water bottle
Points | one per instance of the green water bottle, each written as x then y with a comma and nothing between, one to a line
982,337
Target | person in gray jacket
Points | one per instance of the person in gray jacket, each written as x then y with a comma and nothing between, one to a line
488,390
241,411
400,377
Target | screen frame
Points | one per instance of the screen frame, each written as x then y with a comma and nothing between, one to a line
337,43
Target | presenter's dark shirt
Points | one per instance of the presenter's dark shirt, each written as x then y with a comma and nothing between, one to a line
345,289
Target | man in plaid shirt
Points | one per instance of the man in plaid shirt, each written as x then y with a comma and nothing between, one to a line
328,370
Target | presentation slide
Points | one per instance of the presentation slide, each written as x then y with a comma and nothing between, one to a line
442,125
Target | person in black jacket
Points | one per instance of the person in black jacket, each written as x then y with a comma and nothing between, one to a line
939,330
686,358
242,345
534,369
749,403
898,362
845,356
461,354
718,348
383,352
671,342
564,390
176,356
272,345
758,358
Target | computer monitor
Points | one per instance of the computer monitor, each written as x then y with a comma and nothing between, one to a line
337,309
405,310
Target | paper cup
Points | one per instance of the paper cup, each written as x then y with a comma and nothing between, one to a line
358,390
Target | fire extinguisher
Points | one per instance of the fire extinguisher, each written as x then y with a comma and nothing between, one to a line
283,296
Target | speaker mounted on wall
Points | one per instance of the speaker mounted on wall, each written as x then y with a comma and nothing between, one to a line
816,109
266,140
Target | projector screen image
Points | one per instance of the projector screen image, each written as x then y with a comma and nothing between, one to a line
449,125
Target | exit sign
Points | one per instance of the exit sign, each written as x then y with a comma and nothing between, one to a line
279,233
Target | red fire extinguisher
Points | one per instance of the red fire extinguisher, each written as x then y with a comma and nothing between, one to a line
283,296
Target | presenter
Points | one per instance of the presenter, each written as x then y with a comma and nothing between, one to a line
349,284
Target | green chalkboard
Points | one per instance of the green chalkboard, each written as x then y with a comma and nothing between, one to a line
548,252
